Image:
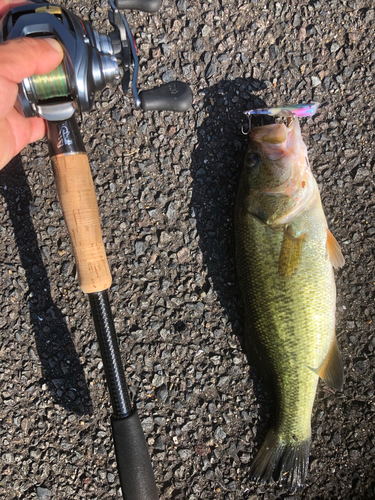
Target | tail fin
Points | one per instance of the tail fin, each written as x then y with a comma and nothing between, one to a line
282,461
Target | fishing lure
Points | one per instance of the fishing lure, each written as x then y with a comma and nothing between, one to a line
299,110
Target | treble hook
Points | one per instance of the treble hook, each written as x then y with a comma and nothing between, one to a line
248,130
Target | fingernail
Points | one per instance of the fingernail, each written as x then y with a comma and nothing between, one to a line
55,44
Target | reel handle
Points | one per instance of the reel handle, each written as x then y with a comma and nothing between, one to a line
173,96
143,5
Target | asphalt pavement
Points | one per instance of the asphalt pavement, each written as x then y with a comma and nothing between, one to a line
166,184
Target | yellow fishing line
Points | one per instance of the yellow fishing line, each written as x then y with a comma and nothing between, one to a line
54,84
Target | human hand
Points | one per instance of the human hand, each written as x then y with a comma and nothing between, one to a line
19,59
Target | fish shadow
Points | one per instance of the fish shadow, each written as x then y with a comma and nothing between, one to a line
62,370
216,165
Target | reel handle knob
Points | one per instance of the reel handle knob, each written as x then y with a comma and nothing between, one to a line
173,96
143,5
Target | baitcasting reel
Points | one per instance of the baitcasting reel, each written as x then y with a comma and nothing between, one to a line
92,61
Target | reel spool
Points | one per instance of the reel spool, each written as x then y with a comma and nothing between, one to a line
55,84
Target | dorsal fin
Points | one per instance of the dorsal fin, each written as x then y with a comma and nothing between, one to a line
334,252
331,370
290,253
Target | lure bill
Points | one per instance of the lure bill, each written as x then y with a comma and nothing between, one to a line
299,110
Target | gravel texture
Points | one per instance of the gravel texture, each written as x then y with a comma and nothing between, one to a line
166,185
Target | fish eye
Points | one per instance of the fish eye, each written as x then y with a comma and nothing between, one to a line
252,160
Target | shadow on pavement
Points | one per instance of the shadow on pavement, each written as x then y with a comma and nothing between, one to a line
61,367
215,169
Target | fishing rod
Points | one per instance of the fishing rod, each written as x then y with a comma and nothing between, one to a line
92,61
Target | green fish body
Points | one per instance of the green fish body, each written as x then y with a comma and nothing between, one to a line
285,256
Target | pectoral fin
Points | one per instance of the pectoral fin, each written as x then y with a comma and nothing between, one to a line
290,253
334,252
331,370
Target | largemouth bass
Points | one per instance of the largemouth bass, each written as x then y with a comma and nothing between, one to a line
285,256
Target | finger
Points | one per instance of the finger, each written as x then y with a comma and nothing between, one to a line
16,132
9,91
9,4
24,57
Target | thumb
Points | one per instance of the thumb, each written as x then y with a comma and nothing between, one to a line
24,57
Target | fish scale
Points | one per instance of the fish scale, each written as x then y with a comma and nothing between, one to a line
289,317
283,313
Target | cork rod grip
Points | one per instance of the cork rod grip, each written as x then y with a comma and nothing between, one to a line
76,192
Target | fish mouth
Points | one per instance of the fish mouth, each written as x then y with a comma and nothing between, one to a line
275,133
284,142
277,139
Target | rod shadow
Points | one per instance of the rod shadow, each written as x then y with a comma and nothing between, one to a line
62,370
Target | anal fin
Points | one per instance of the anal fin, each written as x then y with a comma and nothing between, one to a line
290,253
331,370
334,252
